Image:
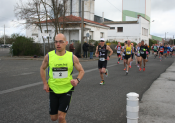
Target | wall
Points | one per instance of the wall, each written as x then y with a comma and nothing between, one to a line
132,8
131,32
96,31
76,11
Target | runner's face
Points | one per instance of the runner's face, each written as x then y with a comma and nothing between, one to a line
102,42
60,42
142,43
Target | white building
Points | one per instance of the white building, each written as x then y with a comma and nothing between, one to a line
129,30
74,7
132,8
72,30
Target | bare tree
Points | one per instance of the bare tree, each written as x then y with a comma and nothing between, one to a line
40,9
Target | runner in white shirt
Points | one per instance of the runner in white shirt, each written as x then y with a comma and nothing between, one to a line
118,48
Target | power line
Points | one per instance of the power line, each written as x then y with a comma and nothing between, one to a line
113,5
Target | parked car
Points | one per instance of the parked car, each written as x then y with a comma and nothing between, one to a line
4,46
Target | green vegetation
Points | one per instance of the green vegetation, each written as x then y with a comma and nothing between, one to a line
24,46
151,42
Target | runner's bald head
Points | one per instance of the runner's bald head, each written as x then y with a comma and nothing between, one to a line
128,41
60,35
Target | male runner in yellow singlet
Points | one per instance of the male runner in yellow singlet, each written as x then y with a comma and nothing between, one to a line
61,83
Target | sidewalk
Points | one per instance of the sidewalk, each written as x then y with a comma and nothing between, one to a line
158,102
41,58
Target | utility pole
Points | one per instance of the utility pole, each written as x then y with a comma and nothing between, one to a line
82,27
165,38
4,34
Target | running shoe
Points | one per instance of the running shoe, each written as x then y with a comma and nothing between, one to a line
129,66
124,69
126,73
143,69
102,83
137,65
140,69
117,62
106,73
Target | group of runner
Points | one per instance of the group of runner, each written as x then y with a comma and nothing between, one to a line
128,51
60,65
162,51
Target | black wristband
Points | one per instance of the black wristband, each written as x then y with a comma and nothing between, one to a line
78,80
109,56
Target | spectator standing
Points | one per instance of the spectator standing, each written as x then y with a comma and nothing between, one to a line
91,50
71,47
85,49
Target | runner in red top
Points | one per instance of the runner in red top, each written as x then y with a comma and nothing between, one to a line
161,50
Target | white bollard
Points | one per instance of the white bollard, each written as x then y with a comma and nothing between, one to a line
132,107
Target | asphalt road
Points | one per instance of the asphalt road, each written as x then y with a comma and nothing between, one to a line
4,52
22,99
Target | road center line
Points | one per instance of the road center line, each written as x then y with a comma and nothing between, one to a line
39,83
24,74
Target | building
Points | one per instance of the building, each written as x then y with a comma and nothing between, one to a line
132,8
74,7
129,30
73,30
95,29
156,38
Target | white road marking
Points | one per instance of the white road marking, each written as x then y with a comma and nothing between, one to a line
24,74
39,83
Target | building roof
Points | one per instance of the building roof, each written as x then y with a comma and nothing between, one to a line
120,22
156,38
72,18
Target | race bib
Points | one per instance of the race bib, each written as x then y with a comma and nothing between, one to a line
102,59
60,72
128,52
118,51
141,52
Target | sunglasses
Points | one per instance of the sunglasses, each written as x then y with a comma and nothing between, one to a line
60,42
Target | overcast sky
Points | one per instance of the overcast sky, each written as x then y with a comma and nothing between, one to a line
162,12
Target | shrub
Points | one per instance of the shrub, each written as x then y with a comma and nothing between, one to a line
25,47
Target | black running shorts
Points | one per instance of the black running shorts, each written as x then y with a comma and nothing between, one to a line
143,56
132,55
161,53
127,57
118,54
59,102
102,64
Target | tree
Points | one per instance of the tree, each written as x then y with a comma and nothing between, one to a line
25,47
7,39
51,10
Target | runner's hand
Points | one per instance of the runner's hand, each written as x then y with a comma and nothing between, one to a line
97,55
46,88
74,82
108,58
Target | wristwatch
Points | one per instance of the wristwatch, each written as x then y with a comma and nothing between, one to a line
78,80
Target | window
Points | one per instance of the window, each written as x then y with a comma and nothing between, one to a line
112,28
49,31
36,35
144,31
119,29
101,35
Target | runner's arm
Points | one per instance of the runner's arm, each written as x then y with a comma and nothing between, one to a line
43,68
110,50
96,52
79,67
